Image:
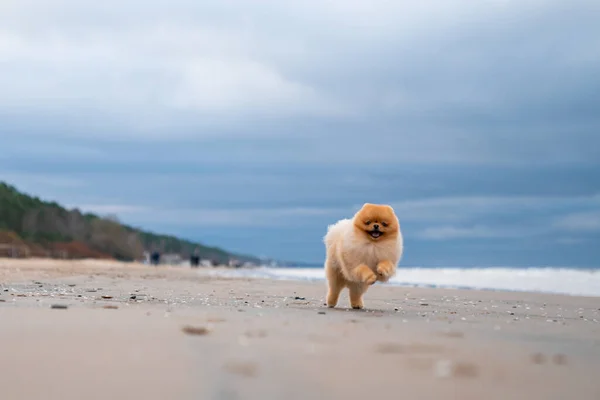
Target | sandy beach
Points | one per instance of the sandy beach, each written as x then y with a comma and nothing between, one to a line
100,330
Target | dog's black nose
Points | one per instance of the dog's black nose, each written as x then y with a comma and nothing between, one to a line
376,227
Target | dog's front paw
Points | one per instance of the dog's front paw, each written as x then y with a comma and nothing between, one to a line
366,275
369,280
385,270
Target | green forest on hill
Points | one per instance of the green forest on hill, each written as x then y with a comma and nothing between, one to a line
45,227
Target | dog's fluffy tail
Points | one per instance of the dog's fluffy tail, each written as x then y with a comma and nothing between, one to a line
335,231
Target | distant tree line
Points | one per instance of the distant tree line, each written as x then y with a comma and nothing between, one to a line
47,225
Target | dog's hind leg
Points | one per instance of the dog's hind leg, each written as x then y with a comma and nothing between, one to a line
356,294
335,281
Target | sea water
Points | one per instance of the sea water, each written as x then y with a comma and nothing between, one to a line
571,281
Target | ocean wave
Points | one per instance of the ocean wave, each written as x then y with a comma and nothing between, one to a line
546,280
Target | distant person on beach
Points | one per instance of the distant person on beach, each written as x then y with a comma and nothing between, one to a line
195,259
155,258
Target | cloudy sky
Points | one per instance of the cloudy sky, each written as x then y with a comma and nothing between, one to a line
252,125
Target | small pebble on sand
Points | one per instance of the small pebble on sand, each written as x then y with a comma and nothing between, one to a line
559,359
453,334
538,358
447,369
59,306
243,369
260,333
195,330
465,370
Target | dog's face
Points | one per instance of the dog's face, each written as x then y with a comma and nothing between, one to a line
377,222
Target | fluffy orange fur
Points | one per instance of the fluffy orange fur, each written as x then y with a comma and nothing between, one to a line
362,251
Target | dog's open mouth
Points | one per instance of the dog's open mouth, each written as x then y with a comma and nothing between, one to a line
375,234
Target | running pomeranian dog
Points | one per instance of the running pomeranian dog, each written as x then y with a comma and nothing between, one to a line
361,251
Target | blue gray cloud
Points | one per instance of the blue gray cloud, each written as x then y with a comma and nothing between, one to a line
254,125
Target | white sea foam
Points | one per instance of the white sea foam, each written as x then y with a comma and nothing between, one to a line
548,280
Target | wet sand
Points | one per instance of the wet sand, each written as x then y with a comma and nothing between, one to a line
100,330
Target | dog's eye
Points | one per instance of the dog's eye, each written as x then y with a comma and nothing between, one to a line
367,222
385,224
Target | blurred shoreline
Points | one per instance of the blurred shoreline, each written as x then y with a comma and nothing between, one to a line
566,281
